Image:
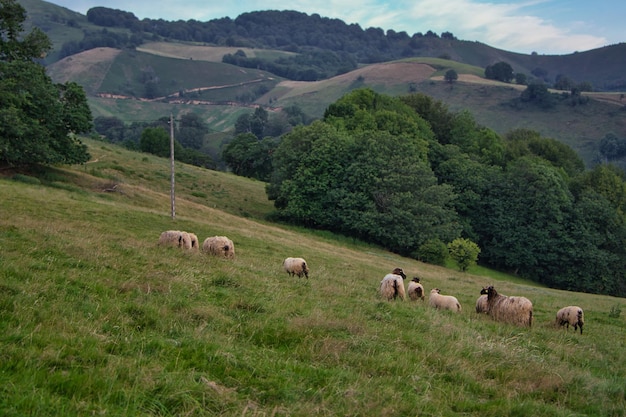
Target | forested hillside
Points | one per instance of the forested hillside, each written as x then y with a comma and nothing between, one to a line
411,176
325,46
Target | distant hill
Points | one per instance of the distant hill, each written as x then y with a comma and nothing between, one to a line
163,74
307,35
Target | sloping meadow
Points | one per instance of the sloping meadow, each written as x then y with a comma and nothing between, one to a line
97,318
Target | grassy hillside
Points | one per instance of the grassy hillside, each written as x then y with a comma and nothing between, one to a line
96,318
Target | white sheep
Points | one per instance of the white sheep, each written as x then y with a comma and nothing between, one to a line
513,310
415,289
481,304
392,285
571,315
296,266
195,244
185,240
219,246
178,238
172,238
443,302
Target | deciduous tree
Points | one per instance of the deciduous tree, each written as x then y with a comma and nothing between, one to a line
38,119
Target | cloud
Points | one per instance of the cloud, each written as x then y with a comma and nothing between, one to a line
502,25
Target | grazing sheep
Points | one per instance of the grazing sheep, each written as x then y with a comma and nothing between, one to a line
392,285
481,304
296,266
513,310
185,240
571,315
443,302
171,238
194,241
179,239
415,289
219,246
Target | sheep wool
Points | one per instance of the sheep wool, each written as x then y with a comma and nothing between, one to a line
219,246
443,302
194,241
296,266
481,304
571,315
415,289
178,239
392,285
185,240
512,310
171,238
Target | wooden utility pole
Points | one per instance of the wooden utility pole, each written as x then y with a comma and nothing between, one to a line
172,195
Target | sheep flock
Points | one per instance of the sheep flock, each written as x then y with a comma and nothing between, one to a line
515,310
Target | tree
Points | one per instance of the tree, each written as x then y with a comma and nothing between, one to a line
433,251
249,157
521,78
537,93
38,119
501,71
191,131
451,76
363,172
110,127
563,83
156,140
464,252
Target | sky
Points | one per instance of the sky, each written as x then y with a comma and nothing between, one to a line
542,26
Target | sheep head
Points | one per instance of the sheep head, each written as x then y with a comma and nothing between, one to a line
399,271
490,291
416,279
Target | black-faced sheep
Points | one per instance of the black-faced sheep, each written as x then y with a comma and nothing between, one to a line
513,310
219,246
392,285
443,302
571,315
296,266
481,304
415,289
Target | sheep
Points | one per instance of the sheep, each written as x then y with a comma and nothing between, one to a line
443,302
194,241
392,285
171,238
185,241
179,239
415,289
296,266
219,246
573,315
513,310
481,304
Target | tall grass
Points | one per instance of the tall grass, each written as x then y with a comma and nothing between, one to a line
97,319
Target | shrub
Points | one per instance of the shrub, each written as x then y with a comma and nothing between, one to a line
464,252
433,251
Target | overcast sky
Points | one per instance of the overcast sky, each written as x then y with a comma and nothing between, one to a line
542,26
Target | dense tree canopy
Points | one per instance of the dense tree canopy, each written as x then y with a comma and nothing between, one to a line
363,171
408,174
38,119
